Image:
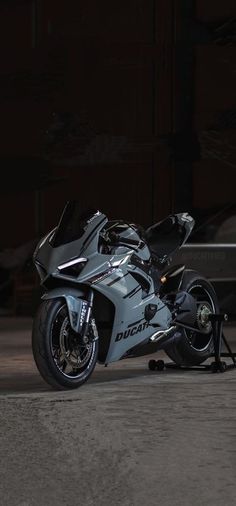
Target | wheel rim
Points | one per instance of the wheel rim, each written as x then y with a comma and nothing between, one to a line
205,306
70,353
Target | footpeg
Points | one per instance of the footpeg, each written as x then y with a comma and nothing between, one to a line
162,334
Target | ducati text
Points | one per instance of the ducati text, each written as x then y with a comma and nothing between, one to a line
131,331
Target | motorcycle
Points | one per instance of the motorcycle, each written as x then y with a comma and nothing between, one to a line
110,294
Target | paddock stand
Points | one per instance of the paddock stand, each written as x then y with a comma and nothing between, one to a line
218,365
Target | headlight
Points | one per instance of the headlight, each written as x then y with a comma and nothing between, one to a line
73,267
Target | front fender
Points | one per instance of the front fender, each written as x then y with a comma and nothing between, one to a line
76,303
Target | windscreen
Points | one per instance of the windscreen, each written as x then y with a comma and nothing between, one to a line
72,224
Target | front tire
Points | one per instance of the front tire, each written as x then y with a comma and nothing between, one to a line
63,359
193,348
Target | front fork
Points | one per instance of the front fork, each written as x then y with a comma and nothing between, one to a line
85,326
88,320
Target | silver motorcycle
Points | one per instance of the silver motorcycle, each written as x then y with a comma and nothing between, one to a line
110,293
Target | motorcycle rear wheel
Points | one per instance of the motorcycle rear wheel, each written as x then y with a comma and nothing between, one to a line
63,359
193,348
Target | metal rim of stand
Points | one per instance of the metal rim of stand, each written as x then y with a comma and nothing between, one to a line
217,320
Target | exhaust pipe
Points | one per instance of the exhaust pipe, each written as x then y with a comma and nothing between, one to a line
161,335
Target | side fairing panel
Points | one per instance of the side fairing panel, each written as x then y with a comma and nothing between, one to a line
130,327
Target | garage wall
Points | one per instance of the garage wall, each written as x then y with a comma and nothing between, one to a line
97,77
129,107
215,105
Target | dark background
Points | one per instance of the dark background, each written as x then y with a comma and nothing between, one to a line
127,106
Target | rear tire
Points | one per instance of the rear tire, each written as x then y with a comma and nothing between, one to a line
62,358
194,348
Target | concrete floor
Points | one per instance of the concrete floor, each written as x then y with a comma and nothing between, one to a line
128,437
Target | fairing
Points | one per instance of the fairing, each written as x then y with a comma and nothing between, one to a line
124,282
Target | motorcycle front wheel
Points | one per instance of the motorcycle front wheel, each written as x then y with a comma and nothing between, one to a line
193,348
64,359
